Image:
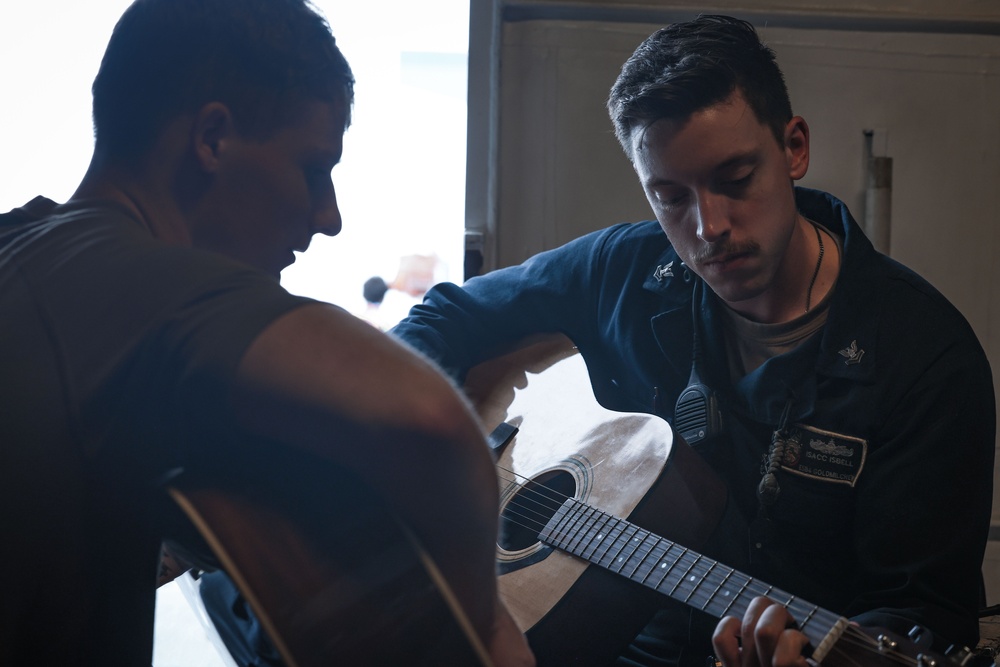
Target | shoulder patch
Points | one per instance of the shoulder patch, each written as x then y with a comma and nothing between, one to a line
824,455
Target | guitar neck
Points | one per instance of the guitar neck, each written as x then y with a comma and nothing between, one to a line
678,572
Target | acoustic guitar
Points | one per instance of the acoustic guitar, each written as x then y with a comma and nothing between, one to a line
569,469
331,574
335,579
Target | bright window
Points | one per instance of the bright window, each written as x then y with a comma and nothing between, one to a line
401,185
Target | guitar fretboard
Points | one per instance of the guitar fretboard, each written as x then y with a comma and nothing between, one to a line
682,574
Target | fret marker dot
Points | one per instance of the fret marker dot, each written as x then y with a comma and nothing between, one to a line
725,594
620,559
691,578
662,565
600,537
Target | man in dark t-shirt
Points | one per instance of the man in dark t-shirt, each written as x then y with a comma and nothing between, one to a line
145,333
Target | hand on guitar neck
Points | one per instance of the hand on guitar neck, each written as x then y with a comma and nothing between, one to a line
769,634
767,631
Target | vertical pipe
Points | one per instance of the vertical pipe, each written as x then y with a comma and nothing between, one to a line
482,163
878,194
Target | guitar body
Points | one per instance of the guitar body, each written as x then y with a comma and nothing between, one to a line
331,575
628,464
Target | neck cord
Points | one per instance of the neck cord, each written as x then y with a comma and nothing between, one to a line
819,262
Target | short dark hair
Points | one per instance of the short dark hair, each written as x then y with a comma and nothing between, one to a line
686,67
262,58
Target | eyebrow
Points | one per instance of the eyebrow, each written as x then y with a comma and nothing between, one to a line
738,160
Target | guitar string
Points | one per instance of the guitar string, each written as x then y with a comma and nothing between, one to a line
696,562
860,641
549,501
542,500
699,563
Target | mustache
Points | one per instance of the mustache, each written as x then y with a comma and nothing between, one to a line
714,251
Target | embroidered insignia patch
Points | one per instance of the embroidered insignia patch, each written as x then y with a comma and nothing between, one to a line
852,353
664,271
824,455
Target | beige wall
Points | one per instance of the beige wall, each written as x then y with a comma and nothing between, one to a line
939,10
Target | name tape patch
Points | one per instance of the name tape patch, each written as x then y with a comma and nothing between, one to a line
824,455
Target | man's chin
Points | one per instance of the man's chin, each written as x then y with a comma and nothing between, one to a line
735,295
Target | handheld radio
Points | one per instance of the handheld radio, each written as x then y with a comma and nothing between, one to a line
696,413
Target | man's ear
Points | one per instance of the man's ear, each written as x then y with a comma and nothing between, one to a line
212,128
797,147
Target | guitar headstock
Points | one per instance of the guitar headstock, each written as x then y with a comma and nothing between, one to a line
876,646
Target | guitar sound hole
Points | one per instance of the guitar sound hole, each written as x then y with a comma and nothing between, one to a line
531,508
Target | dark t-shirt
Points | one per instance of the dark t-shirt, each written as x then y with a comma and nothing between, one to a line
117,353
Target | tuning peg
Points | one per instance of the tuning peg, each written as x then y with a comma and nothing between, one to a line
958,655
920,636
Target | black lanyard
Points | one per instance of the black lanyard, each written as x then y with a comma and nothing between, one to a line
768,489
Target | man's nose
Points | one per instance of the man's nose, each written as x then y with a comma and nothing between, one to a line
712,217
327,220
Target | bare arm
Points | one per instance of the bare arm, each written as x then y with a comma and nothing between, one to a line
318,372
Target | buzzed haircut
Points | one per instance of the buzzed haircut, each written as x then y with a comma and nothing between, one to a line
261,58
